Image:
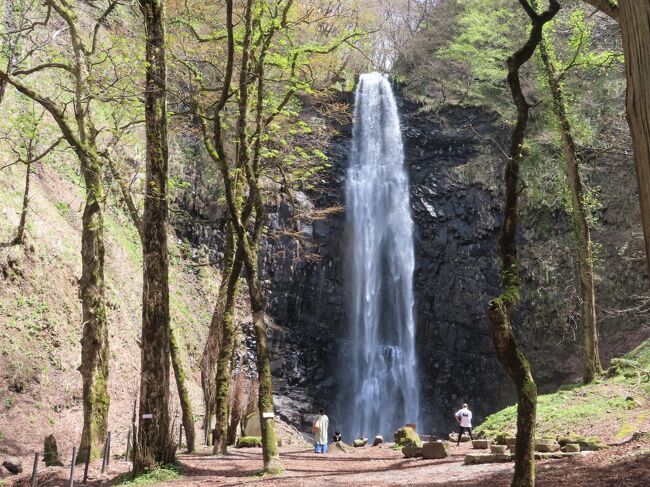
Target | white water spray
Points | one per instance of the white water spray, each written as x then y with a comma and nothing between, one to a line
380,388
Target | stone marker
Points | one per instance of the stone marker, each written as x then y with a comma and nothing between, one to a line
378,440
498,448
412,451
435,450
571,448
481,444
546,446
51,456
13,464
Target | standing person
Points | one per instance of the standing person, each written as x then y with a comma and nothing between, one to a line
464,419
319,428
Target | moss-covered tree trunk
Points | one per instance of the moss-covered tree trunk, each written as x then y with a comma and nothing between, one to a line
20,232
94,341
224,363
501,308
591,365
270,449
155,446
183,394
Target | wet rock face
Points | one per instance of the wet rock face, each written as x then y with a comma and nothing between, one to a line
456,271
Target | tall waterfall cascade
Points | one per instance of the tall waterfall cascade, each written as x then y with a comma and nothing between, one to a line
379,384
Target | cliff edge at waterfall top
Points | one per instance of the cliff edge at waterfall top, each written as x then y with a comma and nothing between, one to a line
315,242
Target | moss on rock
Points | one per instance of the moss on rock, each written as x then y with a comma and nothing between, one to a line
407,436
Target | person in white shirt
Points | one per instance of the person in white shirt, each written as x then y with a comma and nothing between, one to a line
319,428
464,419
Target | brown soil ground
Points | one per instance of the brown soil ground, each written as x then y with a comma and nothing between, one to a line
626,465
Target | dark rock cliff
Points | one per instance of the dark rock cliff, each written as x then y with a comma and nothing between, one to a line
456,199
455,179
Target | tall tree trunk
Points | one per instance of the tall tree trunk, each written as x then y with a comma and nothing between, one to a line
501,308
94,341
270,450
634,19
155,445
20,233
224,363
183,394
590,357
212,343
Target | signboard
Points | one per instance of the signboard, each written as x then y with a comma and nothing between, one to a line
147,416
268,414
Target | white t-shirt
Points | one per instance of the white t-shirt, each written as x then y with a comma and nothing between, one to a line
465,416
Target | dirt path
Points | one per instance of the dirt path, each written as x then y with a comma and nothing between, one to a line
625,466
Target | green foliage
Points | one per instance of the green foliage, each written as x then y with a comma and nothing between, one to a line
405,436
249,442
167,473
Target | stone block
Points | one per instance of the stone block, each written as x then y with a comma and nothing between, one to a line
435,450
571,448
511,441
13,464
378,440
546,446
479,458
501,449
481,444
411,451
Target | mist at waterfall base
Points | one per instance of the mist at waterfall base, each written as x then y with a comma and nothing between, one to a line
378,380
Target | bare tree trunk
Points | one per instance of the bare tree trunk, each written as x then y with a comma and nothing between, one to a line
94,341
20,233
634,19
155,445
501,308
183,394
591,366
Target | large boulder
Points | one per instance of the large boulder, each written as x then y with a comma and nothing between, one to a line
13,464
405,436
435,450
252,425
51,452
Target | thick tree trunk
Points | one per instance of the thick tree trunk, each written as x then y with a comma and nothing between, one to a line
270,450
224,364
94,340
501,308
634,19
20,233
591,366
155,445
183,394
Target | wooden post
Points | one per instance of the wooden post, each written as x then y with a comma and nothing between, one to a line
85,480
35,470
108,450
128,446
74,460
104,455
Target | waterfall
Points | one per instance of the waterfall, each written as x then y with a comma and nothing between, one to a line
379,382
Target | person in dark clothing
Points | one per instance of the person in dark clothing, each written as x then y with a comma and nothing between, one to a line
337,437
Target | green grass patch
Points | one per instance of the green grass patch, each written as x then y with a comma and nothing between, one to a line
575,405
163,474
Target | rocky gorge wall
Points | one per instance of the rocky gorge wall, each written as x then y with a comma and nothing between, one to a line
456,199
